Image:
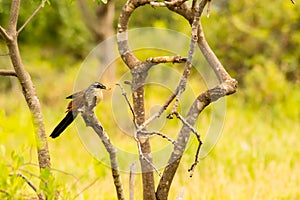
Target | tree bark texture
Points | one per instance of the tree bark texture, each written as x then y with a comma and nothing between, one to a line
11,38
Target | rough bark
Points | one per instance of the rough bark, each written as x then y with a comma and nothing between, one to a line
11,38
91,120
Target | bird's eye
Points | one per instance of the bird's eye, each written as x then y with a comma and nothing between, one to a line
98,86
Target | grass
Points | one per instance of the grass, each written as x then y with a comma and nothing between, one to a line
257,156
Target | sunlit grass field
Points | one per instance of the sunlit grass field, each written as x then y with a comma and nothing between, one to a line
256,157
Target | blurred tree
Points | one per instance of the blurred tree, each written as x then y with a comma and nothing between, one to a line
253,32
273,30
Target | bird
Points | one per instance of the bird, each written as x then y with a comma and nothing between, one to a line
93,94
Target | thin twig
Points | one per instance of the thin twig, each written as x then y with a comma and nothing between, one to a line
194,38
196,161
294,2
40,196
137,131
158,113
27,181
4,192
128,102
33,14
86,187
131,181
4,54
52,169
187,124
4,34
6,72
142,132
144,157
208,8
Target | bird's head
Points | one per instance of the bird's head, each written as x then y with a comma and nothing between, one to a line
97,85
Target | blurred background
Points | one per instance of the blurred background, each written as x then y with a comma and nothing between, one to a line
257,156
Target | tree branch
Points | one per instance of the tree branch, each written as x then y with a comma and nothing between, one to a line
159,134
211,58
4,54
33,14
40,196
201,102
142,132
91,120
4,34
13,18
167,59
131,181
86,187
27,87
139,71
4,72
194,37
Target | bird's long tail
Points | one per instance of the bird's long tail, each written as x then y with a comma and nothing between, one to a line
69,118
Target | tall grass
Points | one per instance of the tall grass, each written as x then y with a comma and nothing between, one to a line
257,156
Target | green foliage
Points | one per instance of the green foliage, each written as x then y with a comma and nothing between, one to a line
14,186
11,185
57,26
266,87
249,33
258,155
48,186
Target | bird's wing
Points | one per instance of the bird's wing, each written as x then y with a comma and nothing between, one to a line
75,95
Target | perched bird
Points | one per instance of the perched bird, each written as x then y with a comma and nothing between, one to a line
93,94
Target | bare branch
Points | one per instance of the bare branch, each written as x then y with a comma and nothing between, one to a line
27,86
91,120
4,34
167,59
33,14
158,4
208,9
4,54
135,134
128,102
131,181
187,124
196,161
175,2
158,114
294,2
159,134
182,84
52,169
85,188
142,156
198,138
211,58
4,192
40,196
201,102
13,18
4,72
